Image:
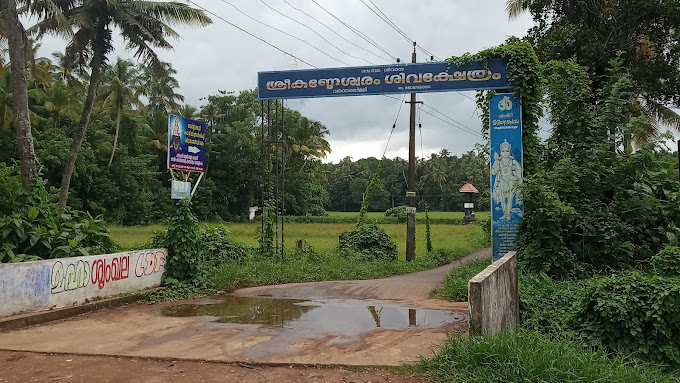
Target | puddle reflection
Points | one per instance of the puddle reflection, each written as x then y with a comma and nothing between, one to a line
344,316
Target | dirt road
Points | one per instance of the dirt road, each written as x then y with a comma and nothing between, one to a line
140,343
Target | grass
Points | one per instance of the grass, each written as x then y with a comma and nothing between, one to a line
130,237
314,267
455,286
323,236
458,215
532,357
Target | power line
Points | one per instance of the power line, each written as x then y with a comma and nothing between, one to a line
466,96
389,23
284,32
336,33
356,31
467,130
317,33
444,115
251,35
394,26
394,126
457,124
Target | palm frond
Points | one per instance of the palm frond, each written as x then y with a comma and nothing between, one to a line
516,7
662,114
172,13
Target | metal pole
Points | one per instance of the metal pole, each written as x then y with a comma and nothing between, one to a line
283,175
276,173
262,166
411,193
678,159
198,181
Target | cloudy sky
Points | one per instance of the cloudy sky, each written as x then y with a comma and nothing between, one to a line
222,57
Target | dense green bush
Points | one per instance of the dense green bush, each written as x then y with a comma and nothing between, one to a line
397,211
633,314
667,262
181,240
595,204
369,242
33,230
10,184
548,305
217,247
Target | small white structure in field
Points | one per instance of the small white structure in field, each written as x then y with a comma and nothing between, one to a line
253,210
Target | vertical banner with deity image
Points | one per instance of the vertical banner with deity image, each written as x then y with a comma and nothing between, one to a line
186,144
505,132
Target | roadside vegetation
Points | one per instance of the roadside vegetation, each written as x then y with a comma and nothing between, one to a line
455,286
599,240
532,357
598,243
222,262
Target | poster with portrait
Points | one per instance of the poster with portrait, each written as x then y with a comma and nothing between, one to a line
505,132
186,144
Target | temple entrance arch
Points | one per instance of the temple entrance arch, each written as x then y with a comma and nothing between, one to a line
504,123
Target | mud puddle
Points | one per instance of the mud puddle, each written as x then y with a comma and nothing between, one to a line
351,317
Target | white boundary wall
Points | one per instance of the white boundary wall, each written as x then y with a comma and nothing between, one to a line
43,285
493,297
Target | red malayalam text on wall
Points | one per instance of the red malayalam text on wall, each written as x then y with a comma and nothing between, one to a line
103,272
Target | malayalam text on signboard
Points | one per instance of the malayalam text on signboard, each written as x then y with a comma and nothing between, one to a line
505,133
383,79
186,144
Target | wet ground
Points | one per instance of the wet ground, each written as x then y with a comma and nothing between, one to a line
389,321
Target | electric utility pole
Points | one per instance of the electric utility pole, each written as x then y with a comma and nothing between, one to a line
411,193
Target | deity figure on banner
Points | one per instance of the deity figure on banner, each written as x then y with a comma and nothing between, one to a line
176,135
508,174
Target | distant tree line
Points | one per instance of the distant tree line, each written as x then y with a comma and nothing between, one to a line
120,172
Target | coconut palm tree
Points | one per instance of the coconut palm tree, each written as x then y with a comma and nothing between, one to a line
144,25
159,86
188,111
155,131
119,93
307,139
61,101
67,70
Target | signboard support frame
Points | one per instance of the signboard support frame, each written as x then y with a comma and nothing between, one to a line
198,181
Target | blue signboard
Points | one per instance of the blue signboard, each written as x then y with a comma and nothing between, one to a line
383,79
505,131
186,144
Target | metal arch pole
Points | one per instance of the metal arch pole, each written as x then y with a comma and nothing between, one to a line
276,172
283,175
261,165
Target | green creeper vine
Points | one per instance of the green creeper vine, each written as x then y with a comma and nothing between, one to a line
525,71
428,237
367,196
266,237
182,243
